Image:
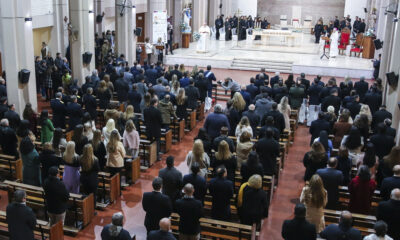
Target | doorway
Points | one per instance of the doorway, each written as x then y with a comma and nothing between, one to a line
140,23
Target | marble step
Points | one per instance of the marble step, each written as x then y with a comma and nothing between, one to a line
286,67
243,60
258,69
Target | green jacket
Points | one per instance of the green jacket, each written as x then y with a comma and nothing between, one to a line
296,95
46,134
167,111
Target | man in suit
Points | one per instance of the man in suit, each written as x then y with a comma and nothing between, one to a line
304,81
122,88
389,130
209,75
164,232
332,100
296,95
314,93
267,149
59,111
373,99
88,84
221,190
389,211
332,179
354,106
269,123
390,183
8,139
159,89
151,75
176,72
156,205
252,89
74,112
344,228
223,136
90,103
13,117
279,120
153,123
215,121
298,228
382,142
252,116
56,196
115,230
172,180
317,126
193,95
380,116
134,98
190,211
21,219
361,87
262,74
274,80
199,183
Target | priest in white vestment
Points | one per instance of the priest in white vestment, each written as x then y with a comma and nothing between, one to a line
204,41
334,50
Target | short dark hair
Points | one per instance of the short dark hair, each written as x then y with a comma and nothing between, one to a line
19,196
269,133
195,168
300,210
53,171
274,106
208,67
153,101
380,228
157,183
170,161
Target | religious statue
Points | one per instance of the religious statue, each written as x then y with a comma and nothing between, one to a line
204,41
186,16
334,50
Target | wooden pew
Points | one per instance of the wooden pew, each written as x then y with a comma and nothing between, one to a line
78,215
208,205
178,129
364,223
344,198
215,229
200,111
42,229
191,120
10,167
132,168
165,140
148,152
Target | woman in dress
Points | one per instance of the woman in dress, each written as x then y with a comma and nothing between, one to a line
59,142
30,115
354,143
46,133
198,155
89,174
71,173
31,173
116,153
361,190
79,139
182,104
315,197
314,159
284,108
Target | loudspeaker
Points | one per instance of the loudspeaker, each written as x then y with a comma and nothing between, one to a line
220,5
392,78
365,10
99,18
138,31
23,76
378,44
87,57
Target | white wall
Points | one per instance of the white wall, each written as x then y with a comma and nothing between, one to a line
247,7
42,13
355,8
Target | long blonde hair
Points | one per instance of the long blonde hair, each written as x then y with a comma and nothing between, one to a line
244,122
113,142
284,103
238,102
87,158
198,153
181,97
129,113
223,151
130,126
69,153
315,192
110,126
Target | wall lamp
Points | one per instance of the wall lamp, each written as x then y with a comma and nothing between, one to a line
28,19
90,11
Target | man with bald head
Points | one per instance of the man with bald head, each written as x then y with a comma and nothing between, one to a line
390,183
344,228
389,211
190,211
163,233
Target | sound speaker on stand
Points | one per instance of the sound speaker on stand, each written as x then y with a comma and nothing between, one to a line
23,76
87,58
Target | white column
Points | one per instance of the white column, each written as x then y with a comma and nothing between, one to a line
178,7
214,11
227,8
200,11
82,20
98,10
125,25
17,44
153,5
59,32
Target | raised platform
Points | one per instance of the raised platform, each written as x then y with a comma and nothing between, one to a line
246,55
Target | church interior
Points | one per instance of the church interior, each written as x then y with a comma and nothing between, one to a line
199,119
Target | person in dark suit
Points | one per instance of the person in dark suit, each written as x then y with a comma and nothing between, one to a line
252,89
332,179
389,130
74,112
201,84
279,120
298,228
90,103
122,89
156,205
269,123
380,116
152,75
215,121
336,232
192,94
252,116
134,98
3,89
390,183
88,84
223,136
332,100
389,211
373,99
274,80
354,106
163,233
221,191
56,196
251,166
267,149
21,219
382,142
114,230
313,92
8,139
177,72
209,75
48,159
153,122
13,117
361,87
190,211
172,180
198,182
304,81
318,125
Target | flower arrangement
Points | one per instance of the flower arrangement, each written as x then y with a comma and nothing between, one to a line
196,36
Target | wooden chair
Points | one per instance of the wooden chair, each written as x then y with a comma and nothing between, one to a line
364,223
344,41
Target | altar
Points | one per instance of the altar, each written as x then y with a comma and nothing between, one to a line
273,36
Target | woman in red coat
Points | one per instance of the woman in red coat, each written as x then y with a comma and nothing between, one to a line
361,190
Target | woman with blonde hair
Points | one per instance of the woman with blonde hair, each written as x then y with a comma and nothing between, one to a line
284,108
181,104
175,86
314,197
238,102
182,68
365,110
110,126
198,155
129,114
109,83
89,174
315,159
235,107
99,148
243,126
226,158
88,131
243,148
116,153
195,71
71,173
391,160
131,139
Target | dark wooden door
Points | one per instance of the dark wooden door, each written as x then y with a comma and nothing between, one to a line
140,23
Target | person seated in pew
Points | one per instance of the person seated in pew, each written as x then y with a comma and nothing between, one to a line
390,183
172,180
381,229
56,196
243,147
343,229
116,153
30,161
8,139
48,159
21,219
225,158
361,189
190,211
223,137
115,230
389,211
253,201
221,190
199,183
298,228
332,179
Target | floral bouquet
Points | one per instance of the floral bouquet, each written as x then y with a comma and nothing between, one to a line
196,36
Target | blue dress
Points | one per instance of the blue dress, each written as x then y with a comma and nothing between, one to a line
71,176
